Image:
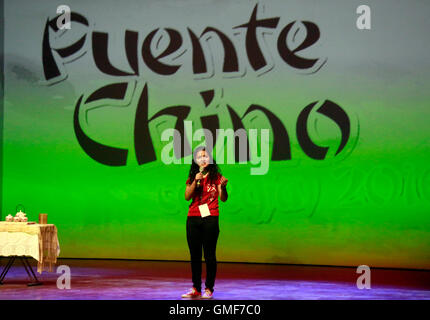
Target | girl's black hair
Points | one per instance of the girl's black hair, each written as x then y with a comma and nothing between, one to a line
212,167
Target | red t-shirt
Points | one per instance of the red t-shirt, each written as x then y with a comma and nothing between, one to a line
208,195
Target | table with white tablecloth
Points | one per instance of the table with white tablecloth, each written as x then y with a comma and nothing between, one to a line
21,239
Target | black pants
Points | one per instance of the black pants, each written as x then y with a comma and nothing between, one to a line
202,233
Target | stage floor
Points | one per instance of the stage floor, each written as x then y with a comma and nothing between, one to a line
163,280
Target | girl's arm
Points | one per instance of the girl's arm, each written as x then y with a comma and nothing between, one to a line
222,189
189,190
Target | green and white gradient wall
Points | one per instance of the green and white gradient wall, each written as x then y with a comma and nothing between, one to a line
368,204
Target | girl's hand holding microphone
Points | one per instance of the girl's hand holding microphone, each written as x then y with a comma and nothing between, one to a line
199,176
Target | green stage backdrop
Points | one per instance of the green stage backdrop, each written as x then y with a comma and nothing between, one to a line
347,177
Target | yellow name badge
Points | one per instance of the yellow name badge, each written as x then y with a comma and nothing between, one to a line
204,210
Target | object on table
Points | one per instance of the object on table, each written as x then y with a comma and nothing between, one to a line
43,218
20,217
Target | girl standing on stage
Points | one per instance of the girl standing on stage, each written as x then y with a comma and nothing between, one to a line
204,185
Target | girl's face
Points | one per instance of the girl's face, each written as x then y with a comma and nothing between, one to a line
202,159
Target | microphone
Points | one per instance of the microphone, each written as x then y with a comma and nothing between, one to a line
198,181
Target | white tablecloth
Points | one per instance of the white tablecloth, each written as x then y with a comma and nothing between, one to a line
39,241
